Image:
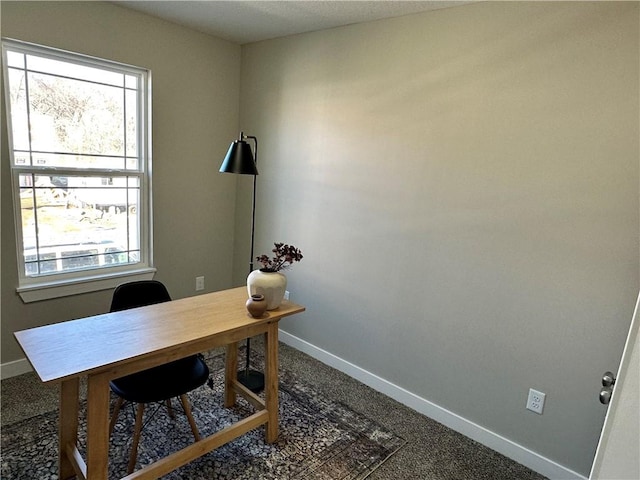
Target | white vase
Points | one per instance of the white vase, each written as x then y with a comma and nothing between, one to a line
270,284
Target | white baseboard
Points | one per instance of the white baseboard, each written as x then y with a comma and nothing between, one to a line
17,367
500,444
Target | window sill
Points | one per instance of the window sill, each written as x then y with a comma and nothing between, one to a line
57,289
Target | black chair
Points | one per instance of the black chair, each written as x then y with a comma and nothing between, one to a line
158,384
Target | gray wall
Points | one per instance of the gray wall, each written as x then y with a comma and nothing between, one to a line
195,116
464,187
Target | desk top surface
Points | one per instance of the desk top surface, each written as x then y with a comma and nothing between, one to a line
77,347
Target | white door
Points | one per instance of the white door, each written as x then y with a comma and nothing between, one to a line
618,453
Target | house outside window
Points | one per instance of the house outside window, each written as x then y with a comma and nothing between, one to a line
79,141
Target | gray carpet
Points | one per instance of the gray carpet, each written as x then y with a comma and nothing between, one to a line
319,439
432,451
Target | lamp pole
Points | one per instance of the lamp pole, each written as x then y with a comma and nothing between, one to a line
240,160
252,379
253,205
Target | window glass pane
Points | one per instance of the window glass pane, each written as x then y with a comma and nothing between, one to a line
114,255
21,158
132,123
77,259
47,263
133,163
133,218
69,212
75,116
131,81
85,162
27,202
68,69
49,266
19,119
15,59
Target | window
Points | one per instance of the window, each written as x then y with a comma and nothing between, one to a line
78,137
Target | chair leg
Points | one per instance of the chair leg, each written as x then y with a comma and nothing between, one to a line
136,439
187,411
170,408
114,415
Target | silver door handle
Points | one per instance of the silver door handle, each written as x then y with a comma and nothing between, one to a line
605,395
608,379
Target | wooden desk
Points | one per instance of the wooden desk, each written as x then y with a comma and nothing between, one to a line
112,345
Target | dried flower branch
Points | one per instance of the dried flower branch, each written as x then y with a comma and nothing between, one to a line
284,256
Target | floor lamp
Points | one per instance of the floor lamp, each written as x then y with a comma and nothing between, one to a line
240,160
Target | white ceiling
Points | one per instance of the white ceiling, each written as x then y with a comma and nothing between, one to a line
243,22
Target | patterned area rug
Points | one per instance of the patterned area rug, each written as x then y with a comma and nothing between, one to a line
318,439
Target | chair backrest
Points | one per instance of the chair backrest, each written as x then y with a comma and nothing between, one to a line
138,294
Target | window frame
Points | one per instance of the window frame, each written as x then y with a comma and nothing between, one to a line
36,288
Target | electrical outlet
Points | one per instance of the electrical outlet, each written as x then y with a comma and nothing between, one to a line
286,294
199,283
535,402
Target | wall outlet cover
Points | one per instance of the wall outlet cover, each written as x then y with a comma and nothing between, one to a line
535,401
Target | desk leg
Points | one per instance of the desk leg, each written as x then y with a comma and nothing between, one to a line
68,428
271,382
97,427
230,374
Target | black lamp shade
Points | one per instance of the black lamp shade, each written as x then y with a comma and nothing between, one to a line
239,159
